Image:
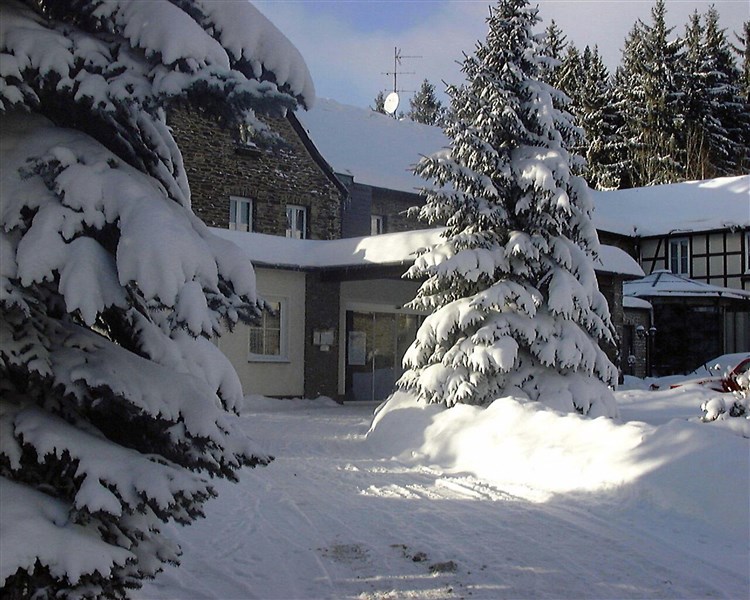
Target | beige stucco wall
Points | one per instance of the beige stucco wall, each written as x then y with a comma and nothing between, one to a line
277,377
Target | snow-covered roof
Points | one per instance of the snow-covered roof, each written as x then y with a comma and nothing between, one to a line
679,207
636,303
374,148
664,283
386,249
378,150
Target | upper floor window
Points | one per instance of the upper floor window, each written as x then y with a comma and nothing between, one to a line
377,224
296,222
679,256
240,213
267,338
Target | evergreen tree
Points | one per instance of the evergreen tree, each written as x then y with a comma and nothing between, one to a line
555,43
515,303
727,121
597,115
379,103
694,104
424,106
116,409
743,51
649,96
570,75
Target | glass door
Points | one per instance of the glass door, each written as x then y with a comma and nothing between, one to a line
376,343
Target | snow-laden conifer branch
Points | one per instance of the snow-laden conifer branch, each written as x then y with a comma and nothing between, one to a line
116,406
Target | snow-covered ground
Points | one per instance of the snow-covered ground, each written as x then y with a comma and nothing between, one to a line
514,501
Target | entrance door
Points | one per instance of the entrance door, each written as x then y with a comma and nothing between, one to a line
376,343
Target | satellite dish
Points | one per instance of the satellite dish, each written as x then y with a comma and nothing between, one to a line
391,103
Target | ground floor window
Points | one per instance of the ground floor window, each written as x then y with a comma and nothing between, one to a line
267,338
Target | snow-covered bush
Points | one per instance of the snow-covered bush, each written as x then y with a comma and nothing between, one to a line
735,405
516,308
115,407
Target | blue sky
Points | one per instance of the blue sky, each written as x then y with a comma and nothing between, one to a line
348,44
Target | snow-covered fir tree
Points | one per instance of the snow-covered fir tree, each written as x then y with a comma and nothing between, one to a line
728,117
742,49
379,103
424,106
555,43
648,87
116,409
514,301
596,113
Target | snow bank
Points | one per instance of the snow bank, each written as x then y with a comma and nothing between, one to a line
695,468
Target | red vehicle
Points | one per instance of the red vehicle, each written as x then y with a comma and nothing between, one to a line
731,382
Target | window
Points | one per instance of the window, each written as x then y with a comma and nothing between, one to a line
296,222
267,340
747,253
240,213
246,134
679,256
377,225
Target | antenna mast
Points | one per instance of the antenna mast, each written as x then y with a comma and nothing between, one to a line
397,58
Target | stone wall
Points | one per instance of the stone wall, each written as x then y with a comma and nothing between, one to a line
218,166
321,313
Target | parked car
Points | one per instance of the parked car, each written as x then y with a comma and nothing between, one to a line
730,381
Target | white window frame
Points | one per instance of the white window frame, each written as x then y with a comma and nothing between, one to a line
747,253
377,224
264,329
235,213
294,214
682,257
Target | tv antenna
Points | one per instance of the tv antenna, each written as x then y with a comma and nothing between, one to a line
392,100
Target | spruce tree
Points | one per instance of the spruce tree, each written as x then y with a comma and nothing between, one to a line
116,409
597,115
425,107
743,52
515,304
694,104
379,103
555,43
649,95
728,120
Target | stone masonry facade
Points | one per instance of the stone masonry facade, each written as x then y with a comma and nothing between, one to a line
218,166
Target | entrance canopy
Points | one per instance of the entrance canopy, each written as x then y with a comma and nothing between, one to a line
665,284
386,249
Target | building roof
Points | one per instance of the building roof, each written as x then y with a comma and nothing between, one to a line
636,303
378,250
722,203
374,148
665,284
380,151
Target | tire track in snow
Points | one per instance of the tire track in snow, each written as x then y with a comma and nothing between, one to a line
329,519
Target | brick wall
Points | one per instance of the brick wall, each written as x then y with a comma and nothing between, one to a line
271,178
